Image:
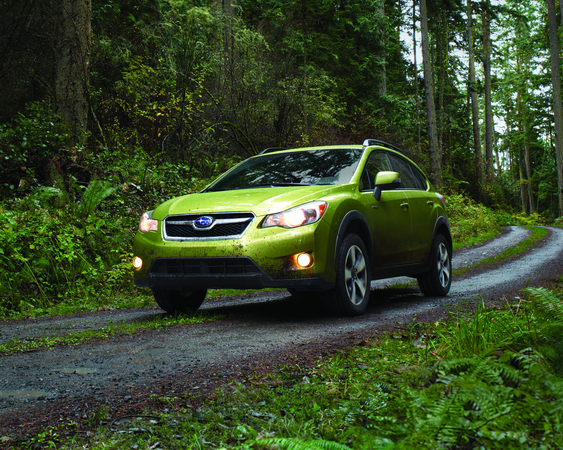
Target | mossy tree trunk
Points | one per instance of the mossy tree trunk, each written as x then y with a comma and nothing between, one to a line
73,59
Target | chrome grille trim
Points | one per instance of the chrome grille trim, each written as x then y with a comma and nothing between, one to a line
224,226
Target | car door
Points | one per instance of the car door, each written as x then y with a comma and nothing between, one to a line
420,207
389,217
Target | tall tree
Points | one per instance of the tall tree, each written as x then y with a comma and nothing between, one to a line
416,96
489,163
557,107
472,88
435,157
73,62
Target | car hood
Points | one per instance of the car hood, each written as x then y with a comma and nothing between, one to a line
260,201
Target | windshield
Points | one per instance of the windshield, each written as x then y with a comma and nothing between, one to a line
311,167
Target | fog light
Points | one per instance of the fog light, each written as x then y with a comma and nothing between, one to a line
304,260
137,262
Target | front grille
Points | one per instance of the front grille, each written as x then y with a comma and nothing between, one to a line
224,226
204,266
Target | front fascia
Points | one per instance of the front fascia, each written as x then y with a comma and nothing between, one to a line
272,249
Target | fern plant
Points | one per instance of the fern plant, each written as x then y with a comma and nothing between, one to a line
297,444
94,194
546,328
492,403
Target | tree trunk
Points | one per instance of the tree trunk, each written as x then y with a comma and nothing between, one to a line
489,166
472,85
441,68
524,145
73,61
417,114
557,107
435,163
524,186
382,88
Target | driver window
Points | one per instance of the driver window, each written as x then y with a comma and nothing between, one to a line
377,162
404,168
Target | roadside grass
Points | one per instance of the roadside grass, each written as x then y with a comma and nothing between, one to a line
135,299
139,298
482,378
159,322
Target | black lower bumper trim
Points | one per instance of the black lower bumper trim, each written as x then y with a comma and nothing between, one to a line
220,273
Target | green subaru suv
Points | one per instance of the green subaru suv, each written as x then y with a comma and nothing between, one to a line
323,220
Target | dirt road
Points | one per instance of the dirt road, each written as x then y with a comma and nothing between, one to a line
44,387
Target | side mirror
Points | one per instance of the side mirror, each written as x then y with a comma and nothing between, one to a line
386,181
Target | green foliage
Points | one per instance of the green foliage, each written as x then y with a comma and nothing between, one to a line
27,143
546,332
493,403
470,221
479,332
295,444
344,401
51,254
94,194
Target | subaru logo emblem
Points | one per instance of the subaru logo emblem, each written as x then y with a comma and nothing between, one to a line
203,222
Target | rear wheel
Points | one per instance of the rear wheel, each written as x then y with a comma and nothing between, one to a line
437,281
179,301
350,294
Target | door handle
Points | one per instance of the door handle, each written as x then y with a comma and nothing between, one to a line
404,205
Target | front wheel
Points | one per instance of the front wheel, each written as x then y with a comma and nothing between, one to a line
350,295
179,301
437,282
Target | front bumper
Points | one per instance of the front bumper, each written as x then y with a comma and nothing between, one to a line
261,258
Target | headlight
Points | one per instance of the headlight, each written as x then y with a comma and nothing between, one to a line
147,223
296,217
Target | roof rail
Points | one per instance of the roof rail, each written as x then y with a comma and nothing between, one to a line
369,142
272,149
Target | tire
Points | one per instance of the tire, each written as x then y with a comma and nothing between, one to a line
179,302
437,282
350,295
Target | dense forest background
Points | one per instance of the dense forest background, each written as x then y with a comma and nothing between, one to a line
109,107
88,86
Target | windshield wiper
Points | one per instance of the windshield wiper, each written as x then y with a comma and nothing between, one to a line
269,185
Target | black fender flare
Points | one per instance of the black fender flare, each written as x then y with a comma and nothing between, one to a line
442,226
364,232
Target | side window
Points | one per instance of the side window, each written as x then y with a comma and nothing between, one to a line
405,169
419,178
377,162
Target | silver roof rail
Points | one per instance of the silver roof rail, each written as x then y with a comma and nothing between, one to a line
369,142
272,149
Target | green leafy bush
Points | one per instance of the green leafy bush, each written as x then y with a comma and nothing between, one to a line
49,255
26,143
470,221
493,403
